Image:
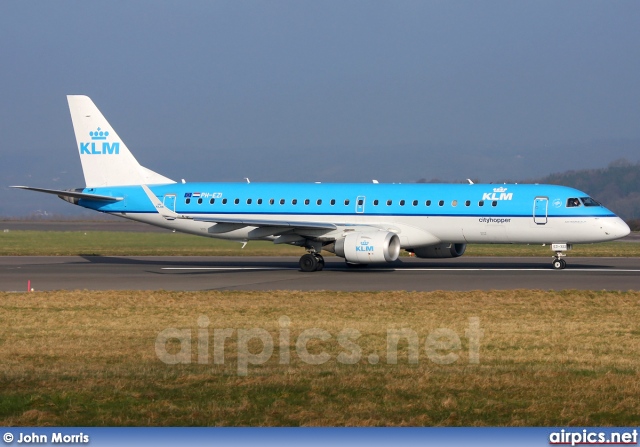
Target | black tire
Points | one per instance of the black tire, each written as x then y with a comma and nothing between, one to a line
557,264
320,260
564,263
308,263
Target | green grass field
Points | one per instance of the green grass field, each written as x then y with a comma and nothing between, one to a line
544,358
105,243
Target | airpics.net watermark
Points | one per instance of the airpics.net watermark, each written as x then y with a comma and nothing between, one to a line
441,346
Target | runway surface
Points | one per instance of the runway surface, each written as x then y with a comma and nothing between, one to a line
282,273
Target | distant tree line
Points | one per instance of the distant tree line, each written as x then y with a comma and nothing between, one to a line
617,187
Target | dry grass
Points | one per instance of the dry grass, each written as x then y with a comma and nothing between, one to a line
546,358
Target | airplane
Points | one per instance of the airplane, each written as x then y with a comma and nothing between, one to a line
364,223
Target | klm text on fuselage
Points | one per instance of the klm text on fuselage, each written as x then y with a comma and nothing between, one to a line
498,194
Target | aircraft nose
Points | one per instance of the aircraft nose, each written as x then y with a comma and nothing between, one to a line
616,228
624,228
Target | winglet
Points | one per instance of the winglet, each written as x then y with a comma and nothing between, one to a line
162,210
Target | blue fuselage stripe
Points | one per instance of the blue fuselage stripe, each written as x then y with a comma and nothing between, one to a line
499,201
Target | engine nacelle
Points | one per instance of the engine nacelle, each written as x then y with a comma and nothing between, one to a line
441,251
368,248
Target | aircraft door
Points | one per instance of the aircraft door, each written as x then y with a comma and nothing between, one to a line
540,209
360,204
170,202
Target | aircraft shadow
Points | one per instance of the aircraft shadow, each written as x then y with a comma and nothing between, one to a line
339,264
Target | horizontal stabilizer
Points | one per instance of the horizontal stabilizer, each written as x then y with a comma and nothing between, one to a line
73,194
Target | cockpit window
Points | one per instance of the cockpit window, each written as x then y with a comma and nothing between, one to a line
588,201
573,202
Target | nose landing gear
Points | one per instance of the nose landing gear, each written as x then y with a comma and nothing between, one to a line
559,263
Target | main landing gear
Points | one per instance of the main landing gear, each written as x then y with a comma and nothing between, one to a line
311,262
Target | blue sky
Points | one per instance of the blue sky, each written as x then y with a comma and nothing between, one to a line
320,91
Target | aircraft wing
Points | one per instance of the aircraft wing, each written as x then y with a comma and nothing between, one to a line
228,224
73,194
270,223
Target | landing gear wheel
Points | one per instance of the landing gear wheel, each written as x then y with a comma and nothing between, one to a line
309,263
559,264
320,260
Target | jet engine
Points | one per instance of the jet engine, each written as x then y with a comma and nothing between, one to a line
368,247
441,251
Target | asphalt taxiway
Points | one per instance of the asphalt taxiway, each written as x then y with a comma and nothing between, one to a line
282,273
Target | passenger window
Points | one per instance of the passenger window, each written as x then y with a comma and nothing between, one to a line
236,201
494,203
454,203
573,202
333,202
440,203
294,201
415,203
200,201
212,201
187,201
271,201
481,203
259,201
402,203
248,201
360,202
347,201
307,201
467,203
224,201
319,202
428,203
281,201
389,202
375,202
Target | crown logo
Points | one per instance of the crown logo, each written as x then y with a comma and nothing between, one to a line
99,134
501,189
